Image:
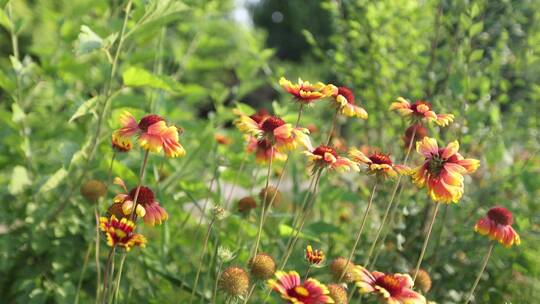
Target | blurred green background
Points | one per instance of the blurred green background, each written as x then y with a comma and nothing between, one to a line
193,62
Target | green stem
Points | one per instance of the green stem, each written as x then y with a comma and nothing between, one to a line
201,258
119,278
426,241
106,275
334,123
359,234
264,205
85,264
214,291
98,266
142,173
482,269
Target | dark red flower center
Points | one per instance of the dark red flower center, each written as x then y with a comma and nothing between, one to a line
322,149
146,195
500,215
390,283
415,105
149,120
260,115
271,123
380,158
345,92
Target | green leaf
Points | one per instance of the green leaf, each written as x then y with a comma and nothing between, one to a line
476,55
4,20
85,108
475,10
18,113
54,180
287,231
19,180
88,41
476,29
138,77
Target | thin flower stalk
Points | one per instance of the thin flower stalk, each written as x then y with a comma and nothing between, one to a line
233,186
480,273
263,208
305,214
334,123
426,241
359,233
97,240
201,258
119,279
390,203
214,291
83,271
108,268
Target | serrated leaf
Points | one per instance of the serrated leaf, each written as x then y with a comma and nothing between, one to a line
19,180
53,181
85,108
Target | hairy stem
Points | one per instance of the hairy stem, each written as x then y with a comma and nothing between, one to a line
426,241
482,269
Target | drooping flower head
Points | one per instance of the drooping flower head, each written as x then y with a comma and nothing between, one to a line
389,288
278,134
147,206
443,169
305,92
291,289
120,233
419,132
419,111
378,163
345,101
325,157
314,256
263,151
497,225
153,135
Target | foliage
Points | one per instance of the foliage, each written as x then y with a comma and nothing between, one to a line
191,62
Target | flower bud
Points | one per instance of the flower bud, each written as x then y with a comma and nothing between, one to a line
267,194
337,293
234,281
338,266
262,266
423,280
93,189
247,203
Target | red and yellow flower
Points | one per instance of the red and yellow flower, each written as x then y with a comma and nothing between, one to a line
389,288
325,157
345,101
420,110
274,130
443,169
378,163
120,233
147,206
153,135
305,92
291,289
497,225
314,257
263,150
